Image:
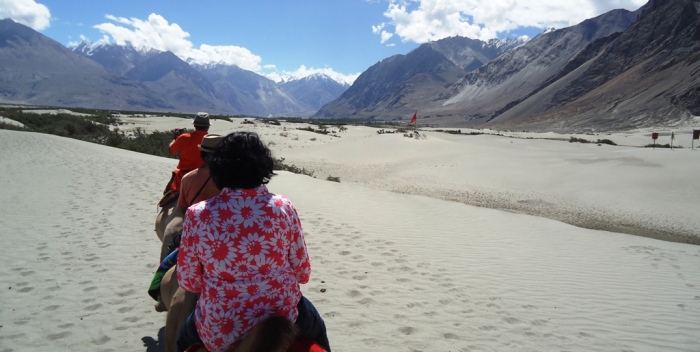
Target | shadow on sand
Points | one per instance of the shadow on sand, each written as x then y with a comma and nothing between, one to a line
155,345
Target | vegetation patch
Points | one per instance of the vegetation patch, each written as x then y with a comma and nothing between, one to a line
662,146
95,128
600,141
281,165
311,129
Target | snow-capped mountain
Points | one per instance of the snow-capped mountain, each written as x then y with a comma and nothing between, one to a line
213,87
117,59
315,90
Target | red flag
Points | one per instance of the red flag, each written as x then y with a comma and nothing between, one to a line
413,119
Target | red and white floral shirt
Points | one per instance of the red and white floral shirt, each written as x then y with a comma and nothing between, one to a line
244,252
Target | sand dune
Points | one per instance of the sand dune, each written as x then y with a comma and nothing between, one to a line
401,260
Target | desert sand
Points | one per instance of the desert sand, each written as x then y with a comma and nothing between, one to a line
501,241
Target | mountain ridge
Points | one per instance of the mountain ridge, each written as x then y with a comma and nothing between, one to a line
620,70
36,70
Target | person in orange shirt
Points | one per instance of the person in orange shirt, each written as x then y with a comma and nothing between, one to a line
197,185
187,144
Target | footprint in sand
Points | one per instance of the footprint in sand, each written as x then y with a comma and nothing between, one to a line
366,301
355,293
406,330
126,293
93,307
487,328
450,336
101,340
21,321
125,309
511,320
26,289
58,336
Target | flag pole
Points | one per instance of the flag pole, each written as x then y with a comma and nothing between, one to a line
672,138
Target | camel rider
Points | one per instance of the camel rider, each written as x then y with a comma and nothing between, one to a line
187,144
195,187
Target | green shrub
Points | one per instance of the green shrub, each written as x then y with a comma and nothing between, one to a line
606,141
94,128
333,178
280,165
578,140
155,143
7,126
323,130
662,146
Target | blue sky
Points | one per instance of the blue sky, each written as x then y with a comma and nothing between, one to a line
286,38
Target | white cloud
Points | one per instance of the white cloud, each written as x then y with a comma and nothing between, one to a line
425,20
378,28
226,54
155,32
386,36
26,12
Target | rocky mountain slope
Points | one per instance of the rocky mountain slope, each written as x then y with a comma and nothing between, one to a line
647,75
511,77
619,70
35,70
401,84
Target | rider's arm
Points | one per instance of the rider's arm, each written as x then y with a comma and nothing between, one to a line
176,144
182,199
189,269
298,254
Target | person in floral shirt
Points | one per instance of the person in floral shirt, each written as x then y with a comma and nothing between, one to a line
244,252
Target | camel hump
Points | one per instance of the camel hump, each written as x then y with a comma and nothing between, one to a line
274,334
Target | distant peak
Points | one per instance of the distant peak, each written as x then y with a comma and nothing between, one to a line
317,76
88,47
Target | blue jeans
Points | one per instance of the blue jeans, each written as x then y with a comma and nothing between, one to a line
309,322
188,335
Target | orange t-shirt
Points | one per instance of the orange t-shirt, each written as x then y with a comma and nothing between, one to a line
192,183
187,145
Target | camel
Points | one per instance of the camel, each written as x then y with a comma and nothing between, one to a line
176,301
179,304
168,224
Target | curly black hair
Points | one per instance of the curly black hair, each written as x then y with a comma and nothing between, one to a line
241,160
